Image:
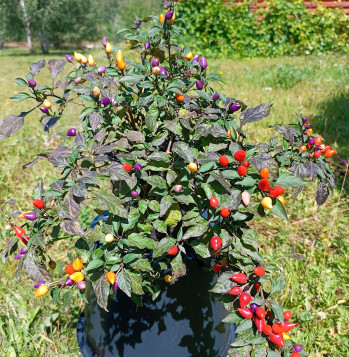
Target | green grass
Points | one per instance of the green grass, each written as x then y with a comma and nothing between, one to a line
317,289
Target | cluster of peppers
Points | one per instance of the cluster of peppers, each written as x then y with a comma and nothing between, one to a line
314,144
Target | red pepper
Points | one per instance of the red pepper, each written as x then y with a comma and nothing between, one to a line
244,299
288,314
240,155
260,323
39,204
267,329
277,328
261,313
259,271
216,268
245,312
264,185
18,231
276,191
277,339
24,239
239,278
127,166
288,326
235,291
216,243
214,202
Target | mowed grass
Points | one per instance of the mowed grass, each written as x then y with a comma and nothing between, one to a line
317,288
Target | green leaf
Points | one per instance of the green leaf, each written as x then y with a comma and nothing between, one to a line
201,249
125,282
151,119
233,318
21,82
142,206
82,249
273,354
20,97
160,226
176,83
156,181
101,288
203,95
163,246
278,209
132,219
250,237
277,311
86,112
111,203
178,267
247,181
245,325
278,284
136,281
154,205
165,204
173,217
184,151
286,179
142,265
197,231
131,78
223,284
136,240
95,264
207,166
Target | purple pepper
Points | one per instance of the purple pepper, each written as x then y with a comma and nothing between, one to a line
304,119
297,348
19,256
31,83
105,101
23,251
104,42
69,58
81,285
196,58
311,141
254,307
71,132
203,62
215,97
307,126
246,288
101,69
37,285
44,110
138,23
224,269
78,80
138,167
30,216
235,107
199,84
305,133
134,194
115,286
155,62
69,282
319,147
146,45
163,71
169,15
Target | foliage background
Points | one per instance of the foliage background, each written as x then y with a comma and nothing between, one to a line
316,86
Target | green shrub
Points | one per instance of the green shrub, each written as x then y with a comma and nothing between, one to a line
281,28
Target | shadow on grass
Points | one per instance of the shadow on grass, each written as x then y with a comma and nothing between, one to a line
332,119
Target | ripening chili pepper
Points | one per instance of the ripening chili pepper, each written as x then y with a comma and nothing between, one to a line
317,153
330,153
96,91
122,65
287,315
235,291
83,59
277,339
264,185
261,313
39,204
224,262
285,336
240,155
111,277
77,56
47,104
267,203
214,202
318,140
242,170
245,198
277,328
77,264
91,61
216,268
326,148
41,291
244,299
119,56
189,56
223,160
276,191
108,48
239,278
295,354
168,278
192,167
264,173
303,148
173,250
247,164
225,212
267,329
297,348
127,166
18,231
161,18
309,132
77,277
260,323
259,271
179,97
216,243
245,312
288,326
69,269
282,200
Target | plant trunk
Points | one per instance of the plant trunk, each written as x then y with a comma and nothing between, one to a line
27,26
43,42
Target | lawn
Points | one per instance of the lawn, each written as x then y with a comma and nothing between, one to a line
317,283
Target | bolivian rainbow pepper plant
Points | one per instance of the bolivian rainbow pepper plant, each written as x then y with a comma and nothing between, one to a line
166,159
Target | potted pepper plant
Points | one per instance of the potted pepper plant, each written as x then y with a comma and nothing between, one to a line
165,162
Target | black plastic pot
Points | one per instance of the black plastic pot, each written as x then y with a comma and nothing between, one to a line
185,320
